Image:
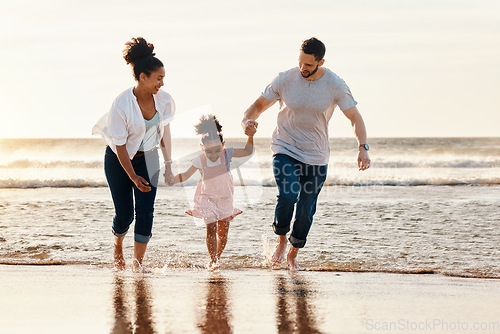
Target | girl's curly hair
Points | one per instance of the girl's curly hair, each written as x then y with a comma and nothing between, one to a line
209,128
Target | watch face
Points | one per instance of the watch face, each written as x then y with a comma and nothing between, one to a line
366,147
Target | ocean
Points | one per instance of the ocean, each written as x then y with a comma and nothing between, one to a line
427,205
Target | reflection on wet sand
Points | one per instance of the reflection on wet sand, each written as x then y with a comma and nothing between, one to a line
143,312
217,317
294,314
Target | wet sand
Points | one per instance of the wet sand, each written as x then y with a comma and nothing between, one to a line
92,299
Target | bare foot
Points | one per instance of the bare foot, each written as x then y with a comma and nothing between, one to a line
291,259
118,259
280,250
139,268
213,265
119,262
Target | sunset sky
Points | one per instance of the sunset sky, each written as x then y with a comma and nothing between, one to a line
416,67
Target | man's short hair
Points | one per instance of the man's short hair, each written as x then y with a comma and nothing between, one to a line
313,46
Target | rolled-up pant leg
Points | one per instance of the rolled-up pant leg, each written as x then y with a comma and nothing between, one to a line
148,167
286,173
311,181
123,192
121,188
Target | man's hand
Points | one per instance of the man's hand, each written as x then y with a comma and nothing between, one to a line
251,128
249,125
363,159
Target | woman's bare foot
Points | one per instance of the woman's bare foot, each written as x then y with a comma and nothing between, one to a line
280,250
139,268
291,259
118,259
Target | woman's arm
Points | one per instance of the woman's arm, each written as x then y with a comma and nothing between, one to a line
179,178
166,150
140,182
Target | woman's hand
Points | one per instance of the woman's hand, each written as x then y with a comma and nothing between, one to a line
141,184
169,176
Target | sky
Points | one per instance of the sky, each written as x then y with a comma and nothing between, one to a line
416,68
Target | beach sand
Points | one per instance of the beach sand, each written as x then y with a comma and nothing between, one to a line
95,299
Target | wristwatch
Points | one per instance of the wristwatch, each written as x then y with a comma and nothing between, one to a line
365,146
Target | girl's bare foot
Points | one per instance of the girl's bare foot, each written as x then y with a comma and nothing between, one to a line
280,250
213,265
291,259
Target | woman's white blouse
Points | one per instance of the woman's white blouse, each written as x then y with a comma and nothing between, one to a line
124,123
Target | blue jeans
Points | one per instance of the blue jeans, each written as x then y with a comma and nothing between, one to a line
123,191
299,185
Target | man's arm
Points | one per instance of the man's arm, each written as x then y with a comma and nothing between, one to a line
358,126
253,112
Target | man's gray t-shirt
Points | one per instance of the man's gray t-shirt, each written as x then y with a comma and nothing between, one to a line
305,110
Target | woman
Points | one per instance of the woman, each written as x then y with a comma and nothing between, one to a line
136,125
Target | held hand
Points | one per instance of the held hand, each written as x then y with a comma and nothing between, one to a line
250,130
363,160
248,124
141,184
169,176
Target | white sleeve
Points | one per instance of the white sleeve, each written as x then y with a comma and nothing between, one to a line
196,162
117,125
168,107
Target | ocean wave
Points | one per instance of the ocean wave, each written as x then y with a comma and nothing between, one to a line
60,183
349,162
266,163
36,163
267,182
458,163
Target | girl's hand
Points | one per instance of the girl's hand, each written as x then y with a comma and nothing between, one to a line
141,184
249,123
251,128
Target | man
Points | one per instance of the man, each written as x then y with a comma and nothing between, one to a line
307,95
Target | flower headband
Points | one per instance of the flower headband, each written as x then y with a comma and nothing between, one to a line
208,134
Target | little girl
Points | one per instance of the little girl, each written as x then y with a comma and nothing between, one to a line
213,199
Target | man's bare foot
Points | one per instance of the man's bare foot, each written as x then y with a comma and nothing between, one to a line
291,259
118,259
280,250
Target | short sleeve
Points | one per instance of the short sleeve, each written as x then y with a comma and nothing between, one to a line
196,162
230,152
271,92
117,126
343,97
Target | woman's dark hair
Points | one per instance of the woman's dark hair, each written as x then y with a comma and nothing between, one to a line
209,128
140,55
313,46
